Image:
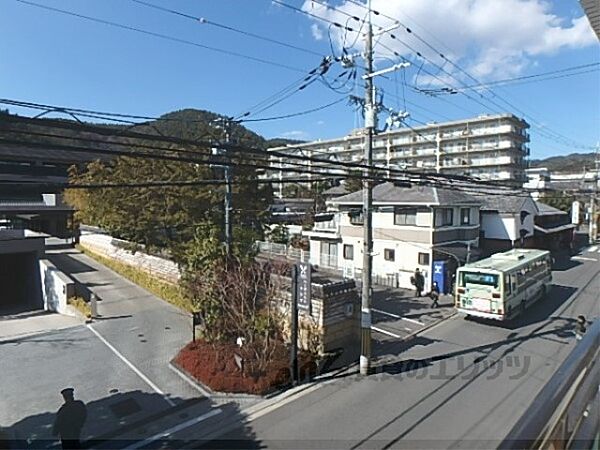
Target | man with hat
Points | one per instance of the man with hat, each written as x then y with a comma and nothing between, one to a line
69,420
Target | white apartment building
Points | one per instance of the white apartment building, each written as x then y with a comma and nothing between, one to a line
412,228
492,147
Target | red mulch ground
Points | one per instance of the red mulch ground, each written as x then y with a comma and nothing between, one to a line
214,365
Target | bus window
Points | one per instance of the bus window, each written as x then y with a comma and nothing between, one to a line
485,279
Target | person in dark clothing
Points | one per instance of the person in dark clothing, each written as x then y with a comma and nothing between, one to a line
435,295
580,328
419,282
69,420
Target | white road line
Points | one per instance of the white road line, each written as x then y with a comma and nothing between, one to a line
583,258
132,367
175,429
185,378
385,332
396,316
593,249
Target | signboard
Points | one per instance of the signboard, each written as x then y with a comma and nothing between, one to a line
197,319
575,213
303,286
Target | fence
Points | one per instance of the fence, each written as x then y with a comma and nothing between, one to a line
273,249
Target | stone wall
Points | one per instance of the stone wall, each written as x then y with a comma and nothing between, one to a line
116,249
334,320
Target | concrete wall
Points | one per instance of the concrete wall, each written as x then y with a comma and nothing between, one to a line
104,245
56,288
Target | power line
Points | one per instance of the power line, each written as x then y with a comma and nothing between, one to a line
515,80
204,20
296,114
312,161
161,36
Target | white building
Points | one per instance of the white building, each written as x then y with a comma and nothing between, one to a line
491,147
412,227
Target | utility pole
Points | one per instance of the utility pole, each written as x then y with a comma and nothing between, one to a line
593,222
225,124
370,124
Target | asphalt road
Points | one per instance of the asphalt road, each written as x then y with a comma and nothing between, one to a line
461,384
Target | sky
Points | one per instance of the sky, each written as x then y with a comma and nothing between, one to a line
53,58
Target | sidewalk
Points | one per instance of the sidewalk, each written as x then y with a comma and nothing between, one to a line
26,324
147,331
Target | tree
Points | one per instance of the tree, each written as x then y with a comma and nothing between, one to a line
559,200
354,182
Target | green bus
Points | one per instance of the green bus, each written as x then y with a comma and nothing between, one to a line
504,285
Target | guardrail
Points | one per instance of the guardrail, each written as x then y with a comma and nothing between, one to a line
565,414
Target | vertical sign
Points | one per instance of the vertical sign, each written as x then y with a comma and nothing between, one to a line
303,286
575,213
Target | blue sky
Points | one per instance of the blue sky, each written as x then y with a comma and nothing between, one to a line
48,57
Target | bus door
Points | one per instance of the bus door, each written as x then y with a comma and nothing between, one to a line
480,291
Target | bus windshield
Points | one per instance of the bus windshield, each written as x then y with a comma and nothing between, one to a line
486,279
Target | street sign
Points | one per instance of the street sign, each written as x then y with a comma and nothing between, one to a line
303,286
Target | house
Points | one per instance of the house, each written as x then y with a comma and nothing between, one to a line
553,229
507,220
413,227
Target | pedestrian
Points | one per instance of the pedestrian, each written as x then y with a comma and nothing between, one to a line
435,295
418,280
580,328
69,420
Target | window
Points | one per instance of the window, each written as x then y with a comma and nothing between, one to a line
424,259
348,251
356,217
465,216
405,216
444,217
389,254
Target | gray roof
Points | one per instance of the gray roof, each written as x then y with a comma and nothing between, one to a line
502,200
388,193
336,190
547,210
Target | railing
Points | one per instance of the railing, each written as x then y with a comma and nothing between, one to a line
565,414
272,249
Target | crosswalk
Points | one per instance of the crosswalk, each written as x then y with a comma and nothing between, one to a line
593,249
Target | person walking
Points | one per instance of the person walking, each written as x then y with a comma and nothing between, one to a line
70,419
419,282
580,328
435,295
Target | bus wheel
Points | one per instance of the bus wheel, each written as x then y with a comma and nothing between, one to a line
543,292
522,307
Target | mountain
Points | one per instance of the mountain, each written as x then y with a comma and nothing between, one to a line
575,162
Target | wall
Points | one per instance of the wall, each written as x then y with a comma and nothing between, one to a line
56,288
334,320
104,245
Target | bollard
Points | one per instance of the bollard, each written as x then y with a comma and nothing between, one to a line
94,305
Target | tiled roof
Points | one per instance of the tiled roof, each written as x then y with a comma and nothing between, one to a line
419,195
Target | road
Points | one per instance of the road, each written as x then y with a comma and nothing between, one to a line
461,384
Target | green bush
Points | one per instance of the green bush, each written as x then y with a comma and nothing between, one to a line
169,292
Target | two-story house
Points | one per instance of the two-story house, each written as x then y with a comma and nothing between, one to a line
412,228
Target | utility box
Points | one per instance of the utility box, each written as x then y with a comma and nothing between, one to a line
441,276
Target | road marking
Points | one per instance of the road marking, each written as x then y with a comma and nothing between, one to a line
187,379
583,258
385,332
132,367
396,316
168,432
593,249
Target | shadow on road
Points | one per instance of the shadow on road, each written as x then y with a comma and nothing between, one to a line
124,419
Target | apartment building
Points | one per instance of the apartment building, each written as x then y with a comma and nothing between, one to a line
491,147
412,228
